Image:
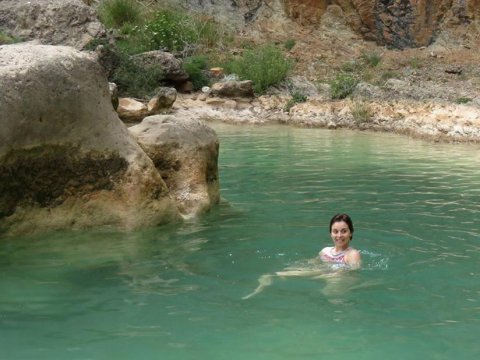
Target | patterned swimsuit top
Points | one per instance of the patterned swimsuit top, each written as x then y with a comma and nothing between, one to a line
329,256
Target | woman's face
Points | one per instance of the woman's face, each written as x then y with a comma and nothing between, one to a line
341,234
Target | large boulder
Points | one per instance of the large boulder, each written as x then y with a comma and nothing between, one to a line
55,22
66,159
172,67
185,152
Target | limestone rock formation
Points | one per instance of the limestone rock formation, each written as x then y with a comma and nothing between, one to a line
185,152
172,67
162,101
305,12
234,12
232,89
133,110
395,23
66,160
55,22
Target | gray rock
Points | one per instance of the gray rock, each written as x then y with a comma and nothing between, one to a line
113,88
232,89
367,91
162,101
66,160
304,86
171,66
55,22
131,110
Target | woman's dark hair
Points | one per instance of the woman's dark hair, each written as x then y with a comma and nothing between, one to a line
342,217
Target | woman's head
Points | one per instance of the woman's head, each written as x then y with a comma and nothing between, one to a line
342,218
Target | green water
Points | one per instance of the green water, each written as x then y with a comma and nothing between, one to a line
176,292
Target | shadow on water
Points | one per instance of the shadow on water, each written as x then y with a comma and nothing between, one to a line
58,275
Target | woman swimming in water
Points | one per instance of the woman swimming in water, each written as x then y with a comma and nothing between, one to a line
341,254
337,257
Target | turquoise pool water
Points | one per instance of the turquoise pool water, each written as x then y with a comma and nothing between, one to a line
176,292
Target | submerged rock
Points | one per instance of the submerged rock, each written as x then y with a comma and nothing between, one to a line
66,159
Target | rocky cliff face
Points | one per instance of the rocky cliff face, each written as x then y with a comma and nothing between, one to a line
54,22
395,23
408,23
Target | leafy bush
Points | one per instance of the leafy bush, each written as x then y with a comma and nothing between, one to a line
415,63
211,33
361,111
352,66
342,86
463,100
134,80
169,29
371,59
176,30
195,67
265,66
297,97
289,44
117,13
7,39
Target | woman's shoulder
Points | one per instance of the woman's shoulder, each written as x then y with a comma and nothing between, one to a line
353,257
326,249
352,252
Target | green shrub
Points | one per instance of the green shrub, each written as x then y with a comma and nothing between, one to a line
176,30
371,59
134,80
415,63
210,33
289,44
265,66
342,86
361,111
94,43
7,39
195,67
463,100
169,29
117,13
389,75
297,97
352,66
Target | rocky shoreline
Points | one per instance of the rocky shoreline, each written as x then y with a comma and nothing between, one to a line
432,121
